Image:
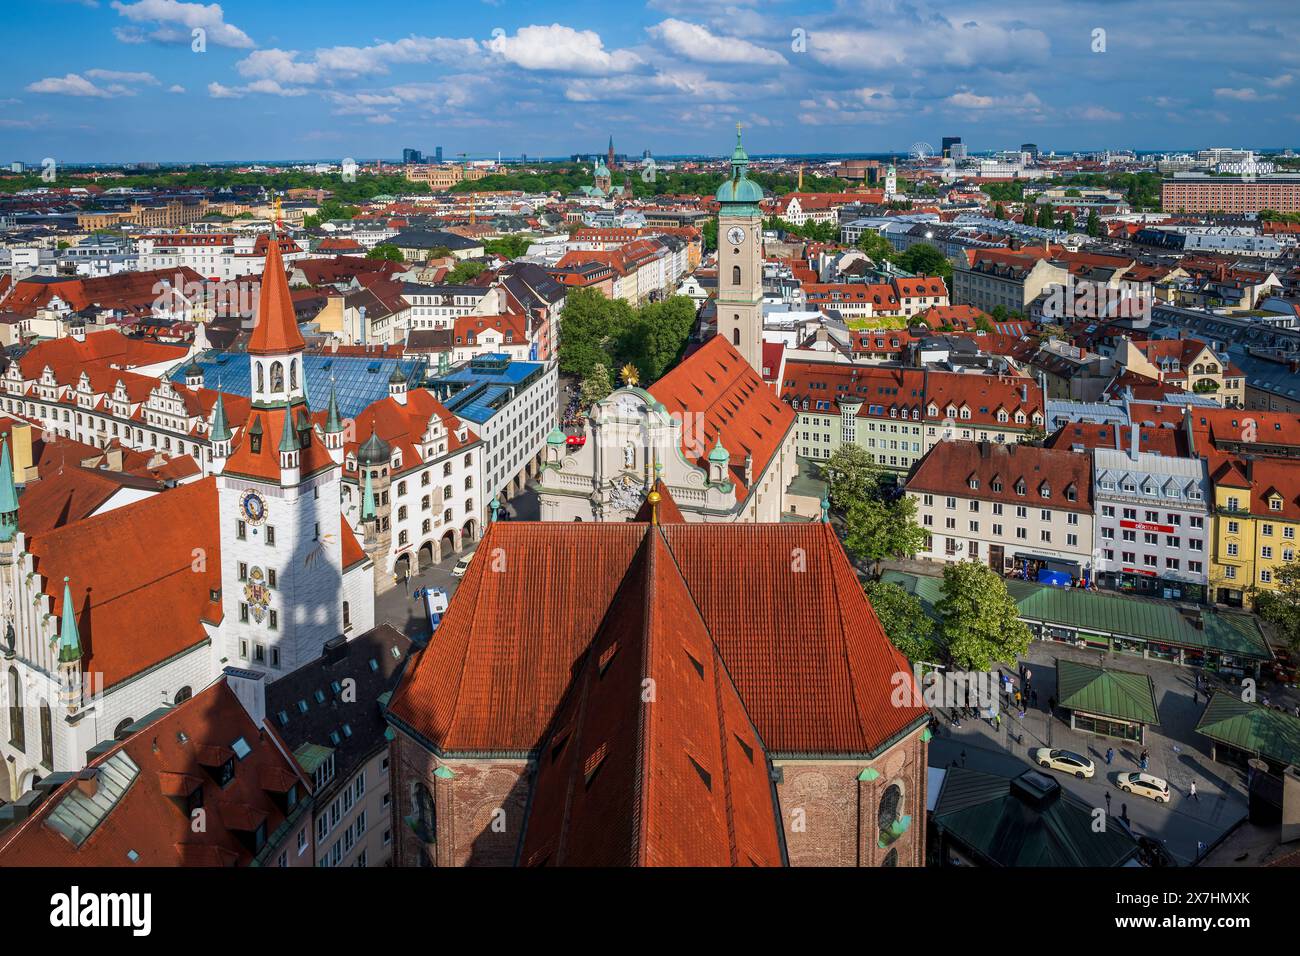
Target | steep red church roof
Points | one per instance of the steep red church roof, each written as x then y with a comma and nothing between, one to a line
276,328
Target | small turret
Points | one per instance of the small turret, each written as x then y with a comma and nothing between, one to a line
397,385
8,496
719,462
70,652
220,434
334,428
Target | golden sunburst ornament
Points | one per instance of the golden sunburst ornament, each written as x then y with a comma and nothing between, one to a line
630,375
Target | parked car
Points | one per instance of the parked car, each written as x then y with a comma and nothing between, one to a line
1144,785
463,565
1066,760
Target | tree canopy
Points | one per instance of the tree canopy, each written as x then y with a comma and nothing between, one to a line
978,620
610,332
905,622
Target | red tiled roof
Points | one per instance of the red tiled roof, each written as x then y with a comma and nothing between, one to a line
264,462
949,467
148,818
142,578
276,326
715,382
679,782
805,651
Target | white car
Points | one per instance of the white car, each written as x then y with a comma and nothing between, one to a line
1144,785
462,565
1066,760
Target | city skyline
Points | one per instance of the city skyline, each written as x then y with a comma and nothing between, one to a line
862,77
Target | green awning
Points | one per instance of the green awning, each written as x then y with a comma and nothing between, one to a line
1252,727
1107,693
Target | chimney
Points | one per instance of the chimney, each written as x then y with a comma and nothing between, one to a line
88,781
250,688
1133,440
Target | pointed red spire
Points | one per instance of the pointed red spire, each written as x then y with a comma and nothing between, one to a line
276,328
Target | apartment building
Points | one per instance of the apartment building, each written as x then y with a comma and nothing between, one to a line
987,278
1256,520
1201,192
329,713
1013,507
1153,522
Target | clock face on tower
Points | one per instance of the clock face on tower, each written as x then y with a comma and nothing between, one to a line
735,235
252,507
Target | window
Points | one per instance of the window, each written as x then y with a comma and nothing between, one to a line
270,535
17,719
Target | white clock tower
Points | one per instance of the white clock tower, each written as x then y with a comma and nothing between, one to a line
740,260
281,533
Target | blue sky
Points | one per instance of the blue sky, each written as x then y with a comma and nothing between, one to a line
118,80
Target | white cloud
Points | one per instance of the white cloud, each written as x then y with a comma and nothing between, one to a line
971,45
219,92
380,119
73,84
1096,114
341,62
1245,94
119,76
132,35
175,88
973,101
174,22
562,49
696,43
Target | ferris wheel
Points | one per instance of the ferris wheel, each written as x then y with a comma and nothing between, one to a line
921,151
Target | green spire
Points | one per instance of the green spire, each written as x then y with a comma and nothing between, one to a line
333,421
220,427
288,440
719,453
368,501
8,495
69,636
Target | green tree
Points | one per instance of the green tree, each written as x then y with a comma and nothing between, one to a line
876,247
852,475
878,527
905,622
464,271
999,212
978,620
596,386
1094,227
508,247
386,251
924,259
1067,222
1281,606
1046,218
656,338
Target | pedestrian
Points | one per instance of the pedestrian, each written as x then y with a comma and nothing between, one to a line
1123,812
1033,697
1028,675
1017,698
1110,755
1191,792
1107,803
1196,698
1051,705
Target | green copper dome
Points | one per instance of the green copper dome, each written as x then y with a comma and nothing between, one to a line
556,437
739,189
719,453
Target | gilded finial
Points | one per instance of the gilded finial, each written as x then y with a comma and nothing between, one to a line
653,498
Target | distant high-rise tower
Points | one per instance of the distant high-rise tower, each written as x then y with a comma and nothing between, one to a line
891,182
948,143
437,152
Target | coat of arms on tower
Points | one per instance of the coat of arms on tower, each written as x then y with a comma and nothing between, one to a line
625,493
256,594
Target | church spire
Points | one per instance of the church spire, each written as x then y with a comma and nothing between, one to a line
69,636
8,495
276,330
220,426
333,420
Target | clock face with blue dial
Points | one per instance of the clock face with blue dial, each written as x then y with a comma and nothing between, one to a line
253,507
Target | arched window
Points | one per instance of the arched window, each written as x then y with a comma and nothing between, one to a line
735,275
277,377
261,378
17,719
120,729
293,373
347,615
469,505
891,858
182,695
891,804
47,736
446,515
735,336
426,818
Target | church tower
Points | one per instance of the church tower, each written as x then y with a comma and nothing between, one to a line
279,492
740,260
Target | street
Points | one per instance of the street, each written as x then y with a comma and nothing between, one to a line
1177,754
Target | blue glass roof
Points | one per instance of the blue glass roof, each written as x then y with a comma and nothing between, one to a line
359,381
477,389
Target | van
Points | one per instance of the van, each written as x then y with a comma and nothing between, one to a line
462,565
